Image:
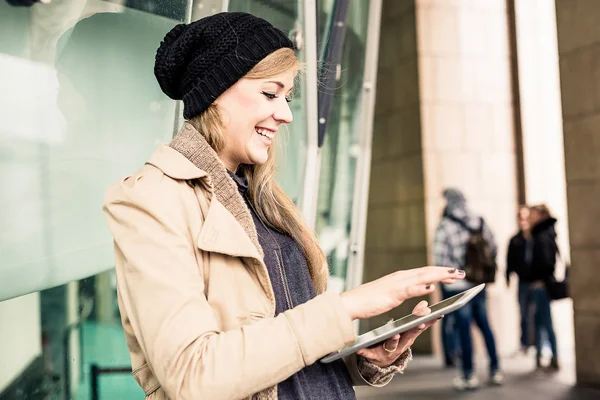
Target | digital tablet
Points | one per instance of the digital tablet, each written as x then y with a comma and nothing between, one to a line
404,324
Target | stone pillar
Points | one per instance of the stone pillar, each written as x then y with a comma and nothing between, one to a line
444,117
396,215
579,53
468,127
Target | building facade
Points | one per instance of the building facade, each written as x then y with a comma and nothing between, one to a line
400,99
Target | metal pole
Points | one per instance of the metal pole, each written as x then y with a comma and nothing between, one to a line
94,387
312,170
354,274
332,59
67,359
224,5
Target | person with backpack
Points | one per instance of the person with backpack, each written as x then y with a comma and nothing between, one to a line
463,240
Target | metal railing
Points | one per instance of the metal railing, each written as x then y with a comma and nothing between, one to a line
96,371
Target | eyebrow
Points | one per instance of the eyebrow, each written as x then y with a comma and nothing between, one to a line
281,85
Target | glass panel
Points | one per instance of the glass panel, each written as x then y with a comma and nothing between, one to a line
340,149
80,108
291,148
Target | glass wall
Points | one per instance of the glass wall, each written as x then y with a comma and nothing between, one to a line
340,148
79,109
291,151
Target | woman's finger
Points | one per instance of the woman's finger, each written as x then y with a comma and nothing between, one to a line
415,290
449,281
428,275
422,308
391,344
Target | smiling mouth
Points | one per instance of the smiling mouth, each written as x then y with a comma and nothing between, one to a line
265,132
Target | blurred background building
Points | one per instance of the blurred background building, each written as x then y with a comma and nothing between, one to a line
400,99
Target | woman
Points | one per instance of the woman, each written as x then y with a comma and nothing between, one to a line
518,260
543,261
221,284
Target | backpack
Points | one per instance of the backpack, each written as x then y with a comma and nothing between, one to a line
480,264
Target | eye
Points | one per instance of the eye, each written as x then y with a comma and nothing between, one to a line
270,96
288,99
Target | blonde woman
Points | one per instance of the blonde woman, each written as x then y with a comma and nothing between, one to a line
222,287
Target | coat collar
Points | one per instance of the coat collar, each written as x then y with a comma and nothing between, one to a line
174,164
545,225
228,227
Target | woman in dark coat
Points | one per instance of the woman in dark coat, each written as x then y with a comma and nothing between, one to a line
543,261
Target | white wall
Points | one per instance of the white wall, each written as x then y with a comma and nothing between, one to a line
541,113
20,336
542,130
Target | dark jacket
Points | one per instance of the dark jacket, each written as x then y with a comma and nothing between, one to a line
543,259
516,259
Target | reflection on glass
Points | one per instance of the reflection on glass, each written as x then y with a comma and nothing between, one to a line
80,108
340,149
291,146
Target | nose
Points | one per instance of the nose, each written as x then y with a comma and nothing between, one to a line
283,113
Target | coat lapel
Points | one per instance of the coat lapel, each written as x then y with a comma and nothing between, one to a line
222,233
228,227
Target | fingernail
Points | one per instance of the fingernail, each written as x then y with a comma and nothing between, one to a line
453,270
461,272
428,287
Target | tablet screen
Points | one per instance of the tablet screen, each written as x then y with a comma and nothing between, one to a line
404,324
407,319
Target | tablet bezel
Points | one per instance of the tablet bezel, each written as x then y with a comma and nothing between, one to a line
392,328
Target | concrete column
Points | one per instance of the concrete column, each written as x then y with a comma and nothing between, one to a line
395,237
467,114
579,53
444,117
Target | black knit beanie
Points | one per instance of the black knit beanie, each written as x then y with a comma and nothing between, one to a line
199,61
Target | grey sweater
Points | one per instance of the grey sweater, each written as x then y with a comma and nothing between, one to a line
292,285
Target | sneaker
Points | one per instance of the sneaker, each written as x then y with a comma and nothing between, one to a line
497,378
469,383
553,367
538,364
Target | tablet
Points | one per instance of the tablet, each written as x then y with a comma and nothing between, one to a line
404,324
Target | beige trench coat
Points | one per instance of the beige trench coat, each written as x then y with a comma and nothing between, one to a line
195,297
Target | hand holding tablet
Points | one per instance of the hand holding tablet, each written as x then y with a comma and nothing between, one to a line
411,321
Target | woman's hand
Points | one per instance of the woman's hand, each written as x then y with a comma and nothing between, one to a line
381,295
384,354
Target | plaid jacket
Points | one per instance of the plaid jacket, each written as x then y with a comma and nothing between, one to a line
450,244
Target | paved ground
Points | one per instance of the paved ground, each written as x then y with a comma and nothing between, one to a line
425,379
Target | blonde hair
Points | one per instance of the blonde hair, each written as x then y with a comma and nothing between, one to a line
543,210
272,205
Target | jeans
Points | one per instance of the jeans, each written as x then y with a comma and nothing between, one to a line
543,321
476,311
450,340
525,305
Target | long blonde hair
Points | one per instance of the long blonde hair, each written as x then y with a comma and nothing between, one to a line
272,205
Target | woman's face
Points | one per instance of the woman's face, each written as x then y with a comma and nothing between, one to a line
252,112
523,219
